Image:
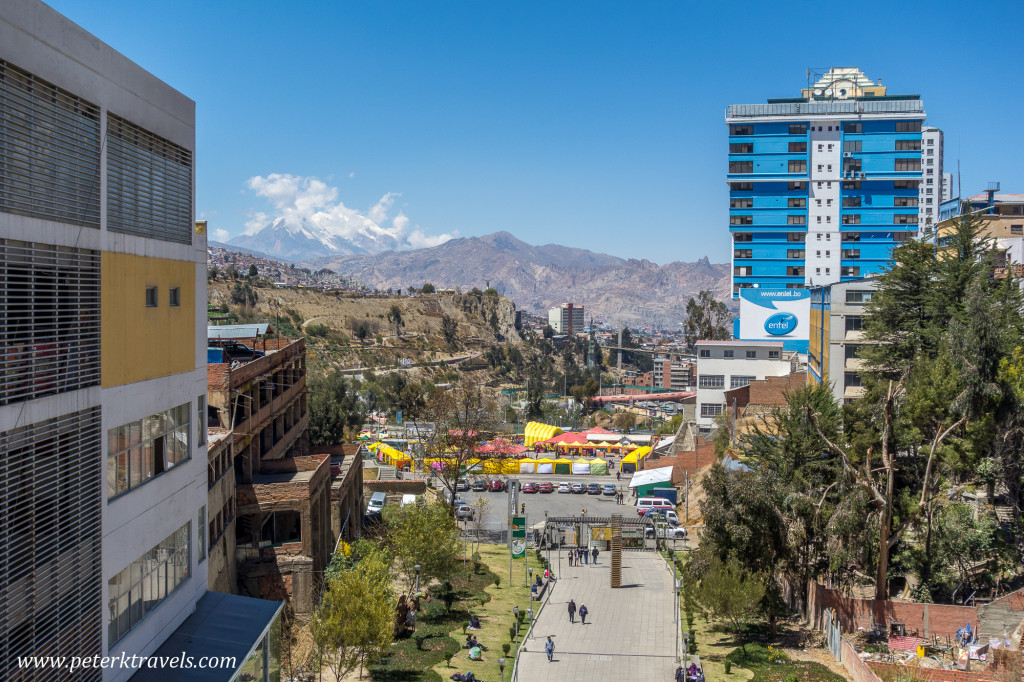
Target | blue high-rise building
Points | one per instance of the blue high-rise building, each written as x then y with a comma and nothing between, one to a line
822,186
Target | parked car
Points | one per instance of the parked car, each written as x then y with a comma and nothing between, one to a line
665,533
464,513
564,487
546,487
462,485
578,488
376,504
529,487
645,504
479,486
667,515
608,489
497,485
594,489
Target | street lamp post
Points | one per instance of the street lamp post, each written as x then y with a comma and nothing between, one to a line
501,667
417,589
515,615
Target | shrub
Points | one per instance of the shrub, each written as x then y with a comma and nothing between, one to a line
448,656
505,648
465,625
728,667
512,633
497,580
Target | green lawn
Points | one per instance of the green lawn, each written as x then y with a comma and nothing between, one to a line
495,616
421,656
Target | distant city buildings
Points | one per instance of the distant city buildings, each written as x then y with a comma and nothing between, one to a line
822,186
1002,216
566,319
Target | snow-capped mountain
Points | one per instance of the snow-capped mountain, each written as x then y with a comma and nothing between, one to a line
308,239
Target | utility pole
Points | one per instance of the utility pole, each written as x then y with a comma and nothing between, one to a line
620,346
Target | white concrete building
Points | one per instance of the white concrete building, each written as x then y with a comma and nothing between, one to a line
947,188
566,319
933,180
103,292
724,365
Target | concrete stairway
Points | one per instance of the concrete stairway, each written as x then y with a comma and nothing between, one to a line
387,473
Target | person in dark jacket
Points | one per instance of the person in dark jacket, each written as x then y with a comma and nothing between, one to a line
572,611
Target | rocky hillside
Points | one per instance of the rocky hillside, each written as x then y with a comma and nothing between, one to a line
538,277
331,319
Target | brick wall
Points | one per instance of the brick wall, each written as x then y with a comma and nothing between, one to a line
772,390
406,487
685,462
1015,600
1004,666
858,669
925,619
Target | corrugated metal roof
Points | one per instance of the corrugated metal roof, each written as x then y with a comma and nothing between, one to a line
737,342
237,331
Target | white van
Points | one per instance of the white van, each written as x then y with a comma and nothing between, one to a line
376,503
646,503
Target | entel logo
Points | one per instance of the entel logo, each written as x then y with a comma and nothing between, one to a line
780,324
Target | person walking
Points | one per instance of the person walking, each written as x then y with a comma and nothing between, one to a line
586,556
572,611
583,613
549,647
595,555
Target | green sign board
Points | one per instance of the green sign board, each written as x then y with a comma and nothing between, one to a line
518,537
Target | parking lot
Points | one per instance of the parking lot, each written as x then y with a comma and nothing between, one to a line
555,504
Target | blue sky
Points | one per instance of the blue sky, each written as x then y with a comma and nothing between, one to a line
590,124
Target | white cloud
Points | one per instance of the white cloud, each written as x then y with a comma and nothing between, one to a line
418,240
352,174
221,235
309,205
401,222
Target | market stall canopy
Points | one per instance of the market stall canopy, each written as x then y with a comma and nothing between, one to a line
581,467
500,447
545,466
598,467
659,475
527,466
537,432
563,466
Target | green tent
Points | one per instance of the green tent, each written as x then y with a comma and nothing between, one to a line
598,467
563,466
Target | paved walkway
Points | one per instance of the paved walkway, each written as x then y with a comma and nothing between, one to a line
630,633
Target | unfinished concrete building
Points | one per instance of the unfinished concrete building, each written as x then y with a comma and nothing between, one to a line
281,510
221,571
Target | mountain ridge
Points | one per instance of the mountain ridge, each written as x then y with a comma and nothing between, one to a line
634,291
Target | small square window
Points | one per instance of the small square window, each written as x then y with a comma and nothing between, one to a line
727,354
175,296
151,297
705,353
773,355
751,354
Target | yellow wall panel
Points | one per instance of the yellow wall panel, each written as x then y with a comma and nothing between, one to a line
140,342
